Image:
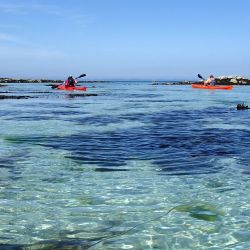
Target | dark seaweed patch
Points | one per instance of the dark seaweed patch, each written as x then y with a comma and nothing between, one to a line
51,245
110,169
11,247
80,95
176,142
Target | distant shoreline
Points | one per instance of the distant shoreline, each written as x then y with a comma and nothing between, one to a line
14,80
223,80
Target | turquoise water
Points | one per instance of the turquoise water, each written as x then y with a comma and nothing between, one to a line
136,167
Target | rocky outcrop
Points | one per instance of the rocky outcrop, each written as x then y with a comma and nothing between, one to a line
13,80
242,106
232,80
172,83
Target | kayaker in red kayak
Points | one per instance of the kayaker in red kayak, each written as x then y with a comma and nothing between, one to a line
70,82
210,81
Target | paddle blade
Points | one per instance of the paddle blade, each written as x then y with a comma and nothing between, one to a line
81,76
54,86
200,77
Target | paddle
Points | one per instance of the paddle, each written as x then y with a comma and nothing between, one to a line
80,76
54,86
201,77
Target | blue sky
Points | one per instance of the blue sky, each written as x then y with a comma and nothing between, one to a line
124,39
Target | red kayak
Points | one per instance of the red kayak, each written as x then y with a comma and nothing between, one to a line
201,86
70,88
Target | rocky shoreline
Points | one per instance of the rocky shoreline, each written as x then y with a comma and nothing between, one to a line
14,80
221,80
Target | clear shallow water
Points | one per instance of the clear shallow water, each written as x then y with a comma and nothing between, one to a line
136,167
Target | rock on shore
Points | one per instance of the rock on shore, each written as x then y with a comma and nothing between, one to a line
232,80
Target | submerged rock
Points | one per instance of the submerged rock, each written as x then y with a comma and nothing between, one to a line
242,107
15,97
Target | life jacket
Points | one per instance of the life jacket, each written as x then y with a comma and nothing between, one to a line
71,81
212,81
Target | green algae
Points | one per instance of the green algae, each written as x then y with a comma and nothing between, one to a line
205,212
215,184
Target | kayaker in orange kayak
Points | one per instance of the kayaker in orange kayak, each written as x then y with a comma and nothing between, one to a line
210,81
210,84
70,82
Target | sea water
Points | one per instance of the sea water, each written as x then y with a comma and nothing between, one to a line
135,166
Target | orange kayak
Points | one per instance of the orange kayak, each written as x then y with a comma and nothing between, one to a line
201,86
63,87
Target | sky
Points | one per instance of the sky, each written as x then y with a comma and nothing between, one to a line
124,39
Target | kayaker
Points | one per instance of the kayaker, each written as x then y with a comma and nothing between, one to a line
70,82
210,81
